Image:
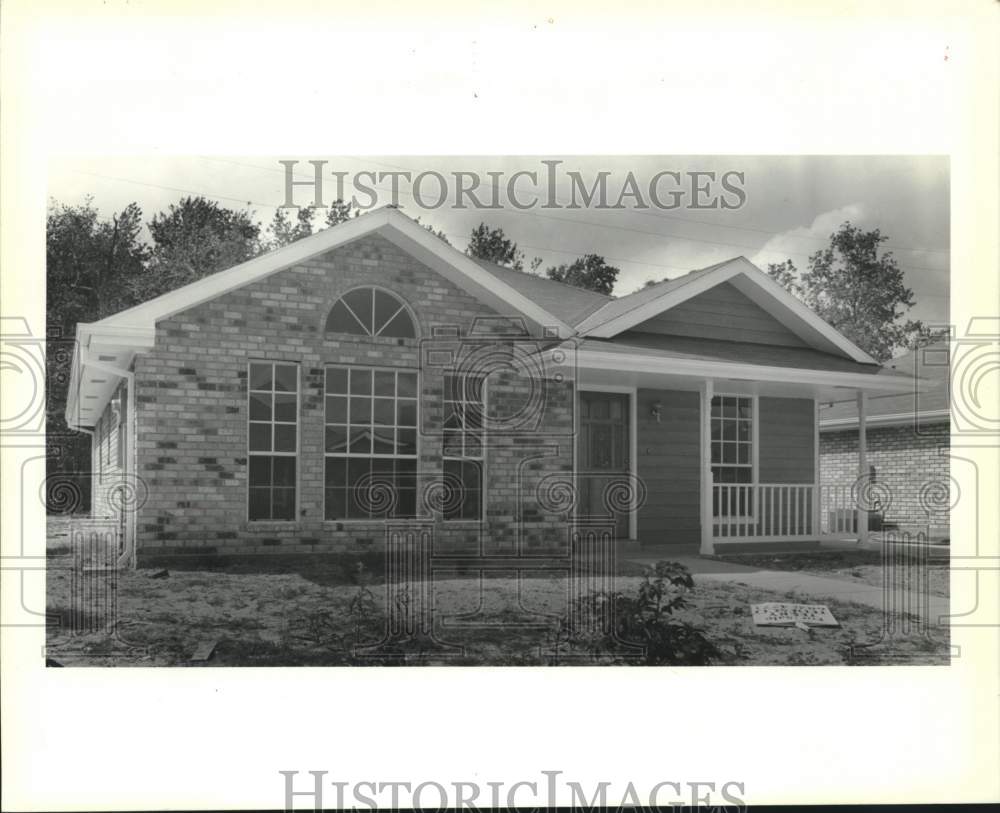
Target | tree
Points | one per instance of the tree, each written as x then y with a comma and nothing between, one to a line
91,264
284,231
92,267
785,275
435,232
194,238
859,290
492,244
590,271
339,212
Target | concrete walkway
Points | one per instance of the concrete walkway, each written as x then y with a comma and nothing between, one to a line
933,608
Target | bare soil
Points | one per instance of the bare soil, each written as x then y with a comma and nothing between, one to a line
324,618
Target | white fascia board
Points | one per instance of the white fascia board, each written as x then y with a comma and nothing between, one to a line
592,325
896,419
70,411
804,321
215,285
98,334
464,272
390,222
803,312
135,328
93,338
597,360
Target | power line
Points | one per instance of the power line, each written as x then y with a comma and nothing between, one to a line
248,202
596,224
662,216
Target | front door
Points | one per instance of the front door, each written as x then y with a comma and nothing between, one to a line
602,454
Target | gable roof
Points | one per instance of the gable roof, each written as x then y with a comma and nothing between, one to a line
931,366
622,314
568,302
105,349
389,222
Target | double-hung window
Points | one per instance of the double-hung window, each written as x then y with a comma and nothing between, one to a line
273,395
371,443
732,453
464,405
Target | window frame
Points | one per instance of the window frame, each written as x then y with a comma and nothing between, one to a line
480,458
753,465
404,307
348,455
298,437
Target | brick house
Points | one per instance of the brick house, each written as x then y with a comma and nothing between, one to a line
907,443
371,377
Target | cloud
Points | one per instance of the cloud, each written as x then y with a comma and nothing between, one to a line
797,244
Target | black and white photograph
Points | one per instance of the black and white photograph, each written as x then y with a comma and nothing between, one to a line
499,411
449,407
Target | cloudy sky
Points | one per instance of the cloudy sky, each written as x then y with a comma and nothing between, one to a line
792,206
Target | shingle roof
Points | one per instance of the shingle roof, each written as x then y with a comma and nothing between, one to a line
613,308
928,363
567,302
658,345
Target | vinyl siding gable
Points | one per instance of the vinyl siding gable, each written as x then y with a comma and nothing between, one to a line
724,313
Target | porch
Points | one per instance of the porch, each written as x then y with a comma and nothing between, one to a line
733,459
802,510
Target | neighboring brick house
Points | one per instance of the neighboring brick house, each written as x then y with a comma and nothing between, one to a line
370,379
908,439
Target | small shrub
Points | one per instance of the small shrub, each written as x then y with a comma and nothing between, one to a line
643,624
325,628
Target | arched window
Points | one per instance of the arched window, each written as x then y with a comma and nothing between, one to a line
370,312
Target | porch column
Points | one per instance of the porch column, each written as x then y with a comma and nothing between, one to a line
862,460
707,540
817,525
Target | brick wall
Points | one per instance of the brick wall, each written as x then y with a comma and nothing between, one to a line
191,406
906,464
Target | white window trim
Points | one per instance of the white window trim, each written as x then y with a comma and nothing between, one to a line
298,440
481,459
754,464
403,306
349,455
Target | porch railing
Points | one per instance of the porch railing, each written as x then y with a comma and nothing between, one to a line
783,511
763,512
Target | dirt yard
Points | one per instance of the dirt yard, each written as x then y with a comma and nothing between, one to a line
852,565
323,616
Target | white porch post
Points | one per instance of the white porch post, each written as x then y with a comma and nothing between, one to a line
862,461
817,525
707,541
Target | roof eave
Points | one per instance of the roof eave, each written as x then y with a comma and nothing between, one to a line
667,365
896,419
388,221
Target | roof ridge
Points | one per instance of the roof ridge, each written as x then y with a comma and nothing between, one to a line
539,277
682,279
